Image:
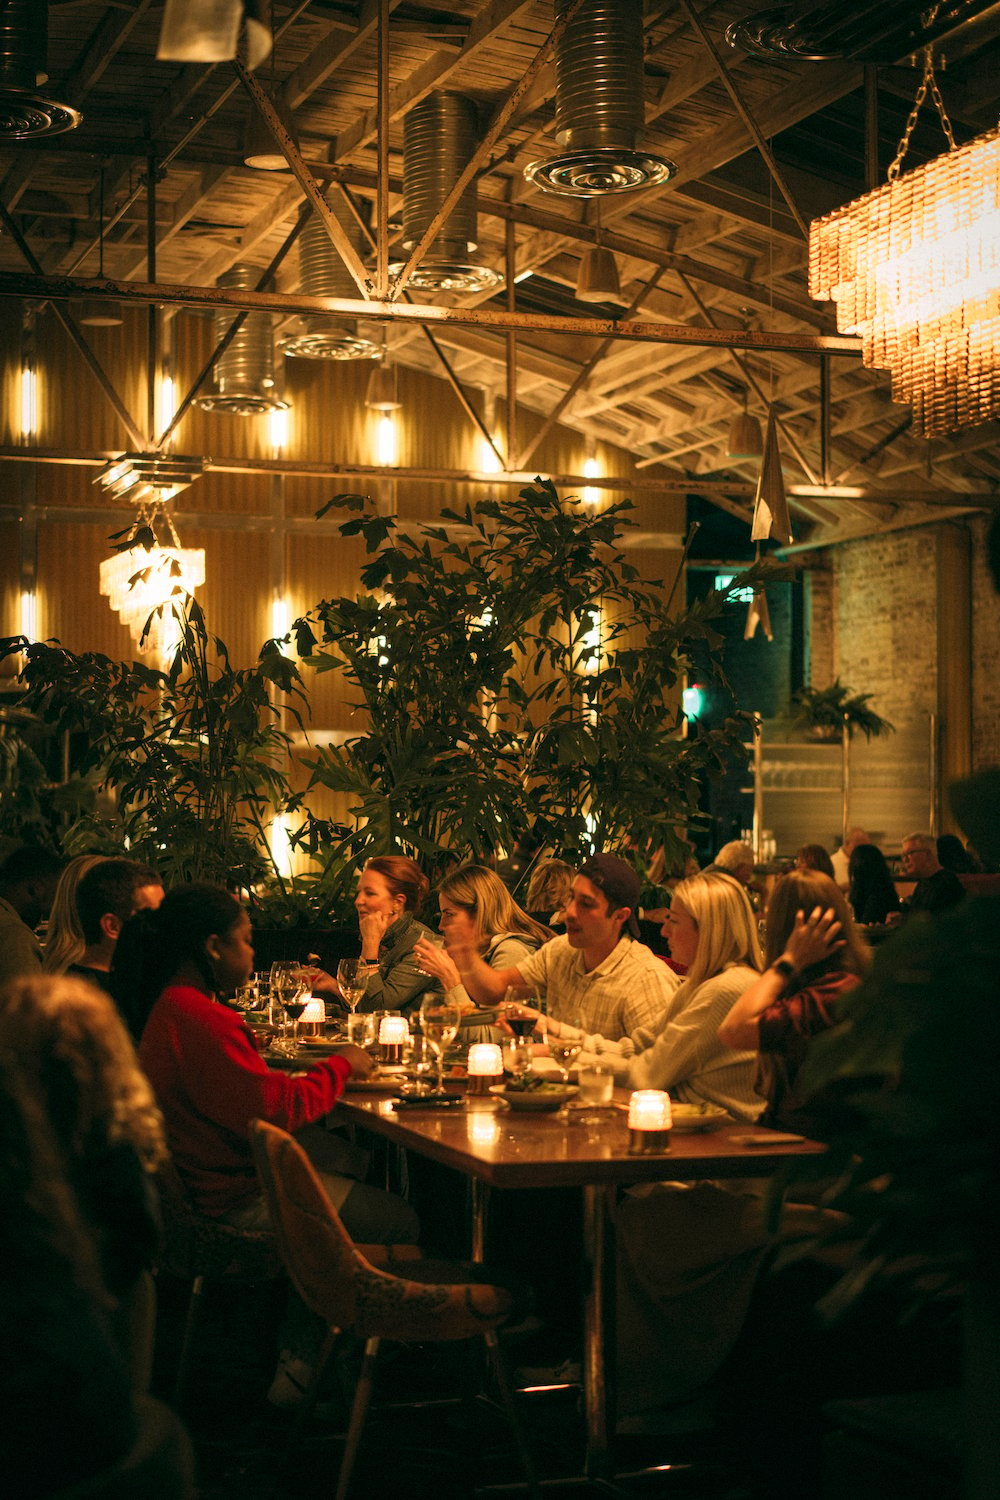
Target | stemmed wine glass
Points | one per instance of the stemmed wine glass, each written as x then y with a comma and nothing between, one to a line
352,977
290,989
519,1053
564,1049
439,1021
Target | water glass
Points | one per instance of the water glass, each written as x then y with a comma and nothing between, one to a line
362,1029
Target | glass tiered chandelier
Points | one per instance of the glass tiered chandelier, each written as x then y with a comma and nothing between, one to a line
914,269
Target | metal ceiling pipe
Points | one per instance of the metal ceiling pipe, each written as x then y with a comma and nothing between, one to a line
322,273
243,378
440,135
599,105
24,38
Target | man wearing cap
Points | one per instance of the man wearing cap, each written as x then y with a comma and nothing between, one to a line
597,970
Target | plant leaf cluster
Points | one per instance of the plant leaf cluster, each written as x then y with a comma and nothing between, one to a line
514,671
191,759
831,707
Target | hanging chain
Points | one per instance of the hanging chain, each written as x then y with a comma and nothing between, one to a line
927,82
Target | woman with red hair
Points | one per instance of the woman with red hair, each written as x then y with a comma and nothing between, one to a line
391,890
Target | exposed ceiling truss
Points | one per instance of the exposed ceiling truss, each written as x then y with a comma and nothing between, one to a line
712,264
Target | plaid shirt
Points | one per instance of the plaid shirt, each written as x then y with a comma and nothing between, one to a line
629,991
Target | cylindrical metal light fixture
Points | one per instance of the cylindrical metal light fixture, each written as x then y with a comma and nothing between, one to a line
322,273
599,105
440,135
24,112
598,278
244,381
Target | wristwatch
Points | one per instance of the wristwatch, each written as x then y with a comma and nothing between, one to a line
784,967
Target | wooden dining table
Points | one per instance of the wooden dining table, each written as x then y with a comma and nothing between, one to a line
494,1147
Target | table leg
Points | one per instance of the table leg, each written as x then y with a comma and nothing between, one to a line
480,1192
597,1387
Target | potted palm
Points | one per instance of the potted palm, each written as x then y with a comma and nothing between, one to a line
825,712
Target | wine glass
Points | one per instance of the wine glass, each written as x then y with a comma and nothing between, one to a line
518,997
352,977
564,1049
439,1021
289,989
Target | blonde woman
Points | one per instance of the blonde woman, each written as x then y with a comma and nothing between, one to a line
65,943
549,889
688,1254
72,1048
477,911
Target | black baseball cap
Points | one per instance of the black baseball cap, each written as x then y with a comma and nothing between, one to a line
616,880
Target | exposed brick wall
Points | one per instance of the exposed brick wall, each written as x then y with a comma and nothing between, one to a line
885,622
822,596
985,653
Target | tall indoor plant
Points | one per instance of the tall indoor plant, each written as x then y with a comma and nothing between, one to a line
515,671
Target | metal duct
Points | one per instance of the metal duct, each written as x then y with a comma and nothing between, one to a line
599,105
440,135
322,273
243,378
24,36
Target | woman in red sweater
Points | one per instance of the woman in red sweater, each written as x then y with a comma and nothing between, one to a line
210,1081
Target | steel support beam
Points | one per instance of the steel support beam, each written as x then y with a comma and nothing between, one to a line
62,288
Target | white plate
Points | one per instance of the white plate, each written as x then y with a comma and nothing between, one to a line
693,1117
533,1101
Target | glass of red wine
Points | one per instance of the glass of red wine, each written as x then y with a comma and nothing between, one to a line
293,992
521,1013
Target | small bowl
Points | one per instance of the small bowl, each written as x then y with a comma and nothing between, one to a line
694,1117
534,1101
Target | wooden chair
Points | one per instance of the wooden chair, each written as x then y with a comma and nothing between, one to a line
199,1249
431,1302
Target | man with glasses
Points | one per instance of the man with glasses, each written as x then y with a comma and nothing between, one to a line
937,889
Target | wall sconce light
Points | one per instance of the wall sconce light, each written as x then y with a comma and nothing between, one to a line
281,617
29,614
166,403
592,470
385,439
489,461
28,415
279,425
281,846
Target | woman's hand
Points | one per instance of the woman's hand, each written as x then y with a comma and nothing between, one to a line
322,983
436,961
813,938
373,927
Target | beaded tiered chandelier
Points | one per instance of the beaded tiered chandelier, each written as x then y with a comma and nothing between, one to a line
152,568
914,269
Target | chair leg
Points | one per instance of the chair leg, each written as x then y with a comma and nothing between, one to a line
190,1323
359,1411
505,1385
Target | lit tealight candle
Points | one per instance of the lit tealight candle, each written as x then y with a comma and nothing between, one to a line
648,1122
393,1035
485,1066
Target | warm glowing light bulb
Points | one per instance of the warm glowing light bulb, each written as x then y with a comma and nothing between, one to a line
280,422
385,438
281,846
281,617
29,402
29,614
592,470
489,460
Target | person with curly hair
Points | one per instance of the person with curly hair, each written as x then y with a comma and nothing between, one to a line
71,1044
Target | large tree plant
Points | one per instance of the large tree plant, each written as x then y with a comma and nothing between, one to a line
515,671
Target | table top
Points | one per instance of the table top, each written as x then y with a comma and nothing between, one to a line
507,1150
